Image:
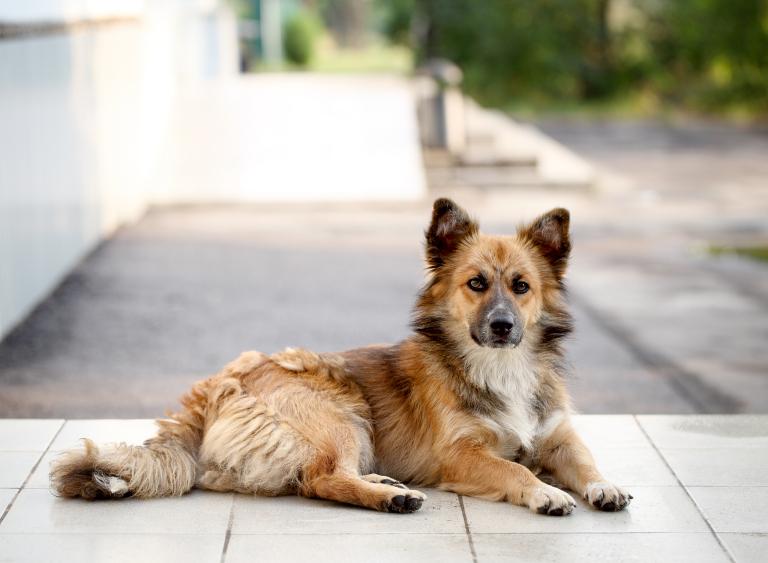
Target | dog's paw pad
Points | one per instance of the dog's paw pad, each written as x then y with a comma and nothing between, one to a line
551,501
407,502
607,497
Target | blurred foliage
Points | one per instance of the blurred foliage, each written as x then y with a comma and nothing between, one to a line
373,58
754,252
711,52
395,20
347,20
299,37
547,49
700,54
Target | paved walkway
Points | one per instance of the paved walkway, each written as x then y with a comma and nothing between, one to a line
669,191
698,484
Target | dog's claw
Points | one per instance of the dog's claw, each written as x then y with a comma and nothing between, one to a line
551,501
607,497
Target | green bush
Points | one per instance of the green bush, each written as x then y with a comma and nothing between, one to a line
299,38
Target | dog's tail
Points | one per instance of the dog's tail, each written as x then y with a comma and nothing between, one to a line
164,466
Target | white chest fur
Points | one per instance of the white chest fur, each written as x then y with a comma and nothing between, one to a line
510,374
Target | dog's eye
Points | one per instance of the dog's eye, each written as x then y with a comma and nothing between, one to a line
477,284
520,287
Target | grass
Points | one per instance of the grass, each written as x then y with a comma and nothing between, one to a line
375,57
759,253
629,106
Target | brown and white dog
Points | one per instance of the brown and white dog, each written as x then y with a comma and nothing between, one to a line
473,402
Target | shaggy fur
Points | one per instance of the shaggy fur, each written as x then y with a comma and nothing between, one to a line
473,402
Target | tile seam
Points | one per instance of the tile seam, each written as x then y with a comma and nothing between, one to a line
31,472
228,533
437,534
472,551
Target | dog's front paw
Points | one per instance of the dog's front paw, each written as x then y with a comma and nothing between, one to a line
405,501
605,496
549,500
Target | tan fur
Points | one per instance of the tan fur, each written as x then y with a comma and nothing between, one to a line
437,409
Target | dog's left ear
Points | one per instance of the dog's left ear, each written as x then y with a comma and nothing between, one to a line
450,226
549,233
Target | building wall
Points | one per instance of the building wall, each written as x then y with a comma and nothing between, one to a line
86,100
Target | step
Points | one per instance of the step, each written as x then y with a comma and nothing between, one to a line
473,158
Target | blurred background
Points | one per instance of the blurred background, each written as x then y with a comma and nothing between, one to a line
182,180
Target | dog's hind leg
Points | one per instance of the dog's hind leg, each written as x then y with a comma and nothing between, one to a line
333,474
352,489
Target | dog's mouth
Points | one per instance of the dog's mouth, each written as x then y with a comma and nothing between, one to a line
493,341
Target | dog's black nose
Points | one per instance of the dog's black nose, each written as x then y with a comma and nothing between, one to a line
501,327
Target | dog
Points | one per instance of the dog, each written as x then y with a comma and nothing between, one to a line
473,402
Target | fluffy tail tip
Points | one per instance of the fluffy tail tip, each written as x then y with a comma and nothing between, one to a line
76,473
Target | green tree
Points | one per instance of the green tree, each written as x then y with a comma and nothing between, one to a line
711,53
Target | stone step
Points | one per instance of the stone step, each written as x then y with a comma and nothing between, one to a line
503,152
484,158
494,177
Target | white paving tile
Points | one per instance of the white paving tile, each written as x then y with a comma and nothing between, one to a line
371,548
654,509
133,431
440,513
747,548
609,431
114,548
719,466
27,434
537,548
706,431
39,479
628,467
733,509
15,467
722,459
37,511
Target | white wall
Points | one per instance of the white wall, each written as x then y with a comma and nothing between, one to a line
25,11
84,117
293,137
97,122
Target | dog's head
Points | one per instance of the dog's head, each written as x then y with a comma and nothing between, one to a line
490,291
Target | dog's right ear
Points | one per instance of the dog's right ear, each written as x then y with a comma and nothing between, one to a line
450,226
